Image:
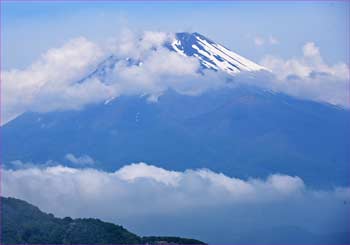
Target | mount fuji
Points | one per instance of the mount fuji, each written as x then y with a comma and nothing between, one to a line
242,131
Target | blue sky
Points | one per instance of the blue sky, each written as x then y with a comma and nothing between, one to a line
28,29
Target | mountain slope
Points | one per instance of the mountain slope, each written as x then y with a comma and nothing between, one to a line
23,223
242,132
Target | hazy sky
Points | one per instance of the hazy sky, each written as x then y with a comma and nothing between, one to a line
253,29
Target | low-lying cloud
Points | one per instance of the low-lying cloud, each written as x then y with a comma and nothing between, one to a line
209,202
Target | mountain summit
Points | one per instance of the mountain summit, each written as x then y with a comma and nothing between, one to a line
211,55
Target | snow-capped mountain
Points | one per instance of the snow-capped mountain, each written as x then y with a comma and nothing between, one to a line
211,55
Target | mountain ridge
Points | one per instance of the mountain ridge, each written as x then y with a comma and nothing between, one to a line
23,223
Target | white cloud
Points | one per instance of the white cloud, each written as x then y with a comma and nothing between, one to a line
285,184
51,82
135,45
141,170
310,50
309,77
138,193
304,67
131,179
151,39
82,160
261,41
50,78
159,69
273,40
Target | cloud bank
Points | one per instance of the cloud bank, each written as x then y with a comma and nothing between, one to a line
59,79
190,203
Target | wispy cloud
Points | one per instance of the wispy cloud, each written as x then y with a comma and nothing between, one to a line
273,40
269,40
80,160
259,41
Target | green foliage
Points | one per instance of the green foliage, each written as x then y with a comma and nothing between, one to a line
23,223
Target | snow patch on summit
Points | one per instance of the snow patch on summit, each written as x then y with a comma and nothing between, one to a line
212,55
